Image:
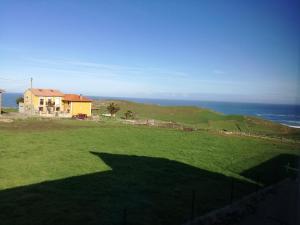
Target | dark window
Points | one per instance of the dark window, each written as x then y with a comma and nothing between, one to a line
41,109
57,108
41,101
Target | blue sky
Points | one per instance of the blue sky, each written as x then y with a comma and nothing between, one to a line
247,51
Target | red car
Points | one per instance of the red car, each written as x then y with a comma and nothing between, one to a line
80,116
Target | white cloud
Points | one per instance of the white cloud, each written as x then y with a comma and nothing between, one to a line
112,69
218,72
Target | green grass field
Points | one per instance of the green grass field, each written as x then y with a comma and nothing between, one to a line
201,118
85,172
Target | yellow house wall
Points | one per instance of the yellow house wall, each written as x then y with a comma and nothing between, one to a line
66,106
36,100
81,107
27,100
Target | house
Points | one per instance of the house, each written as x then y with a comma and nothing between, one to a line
43,101
77,104
1,91
50,102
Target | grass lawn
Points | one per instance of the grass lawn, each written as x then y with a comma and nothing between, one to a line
81,172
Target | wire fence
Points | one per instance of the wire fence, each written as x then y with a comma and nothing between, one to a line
234,197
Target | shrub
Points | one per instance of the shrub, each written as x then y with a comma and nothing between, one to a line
129,115
19,100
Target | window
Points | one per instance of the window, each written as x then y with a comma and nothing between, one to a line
41,101
57,101
57,108
49,103
40,109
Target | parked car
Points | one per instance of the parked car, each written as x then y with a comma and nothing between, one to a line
80,116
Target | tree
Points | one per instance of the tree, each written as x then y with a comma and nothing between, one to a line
129,115
113,108
19,100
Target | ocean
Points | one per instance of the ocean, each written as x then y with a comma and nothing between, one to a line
284,114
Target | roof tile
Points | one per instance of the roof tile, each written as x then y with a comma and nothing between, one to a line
46,92
76,98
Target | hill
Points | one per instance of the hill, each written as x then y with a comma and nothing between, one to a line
201,118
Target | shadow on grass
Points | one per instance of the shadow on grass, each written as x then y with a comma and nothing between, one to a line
273,170
152,190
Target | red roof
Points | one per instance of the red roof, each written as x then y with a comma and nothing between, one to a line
76,98
46,92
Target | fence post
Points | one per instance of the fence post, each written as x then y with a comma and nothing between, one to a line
231,191
257,183
193,207
125,216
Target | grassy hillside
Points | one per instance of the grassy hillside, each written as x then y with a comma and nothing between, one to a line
201,118
182,114
84,172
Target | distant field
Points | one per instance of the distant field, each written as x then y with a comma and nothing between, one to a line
202,118
8,110
84,172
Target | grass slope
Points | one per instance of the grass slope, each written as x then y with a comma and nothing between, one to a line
201,118
82,172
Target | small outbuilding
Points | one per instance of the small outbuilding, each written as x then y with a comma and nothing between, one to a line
77,104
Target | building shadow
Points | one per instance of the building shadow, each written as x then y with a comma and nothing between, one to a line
274,169
137,190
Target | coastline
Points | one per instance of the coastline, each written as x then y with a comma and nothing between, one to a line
287,115
296,127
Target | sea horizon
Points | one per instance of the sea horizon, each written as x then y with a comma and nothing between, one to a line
97,97
285,114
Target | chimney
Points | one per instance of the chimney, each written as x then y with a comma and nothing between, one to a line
80,96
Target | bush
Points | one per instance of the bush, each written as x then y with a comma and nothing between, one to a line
129,115
19,100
